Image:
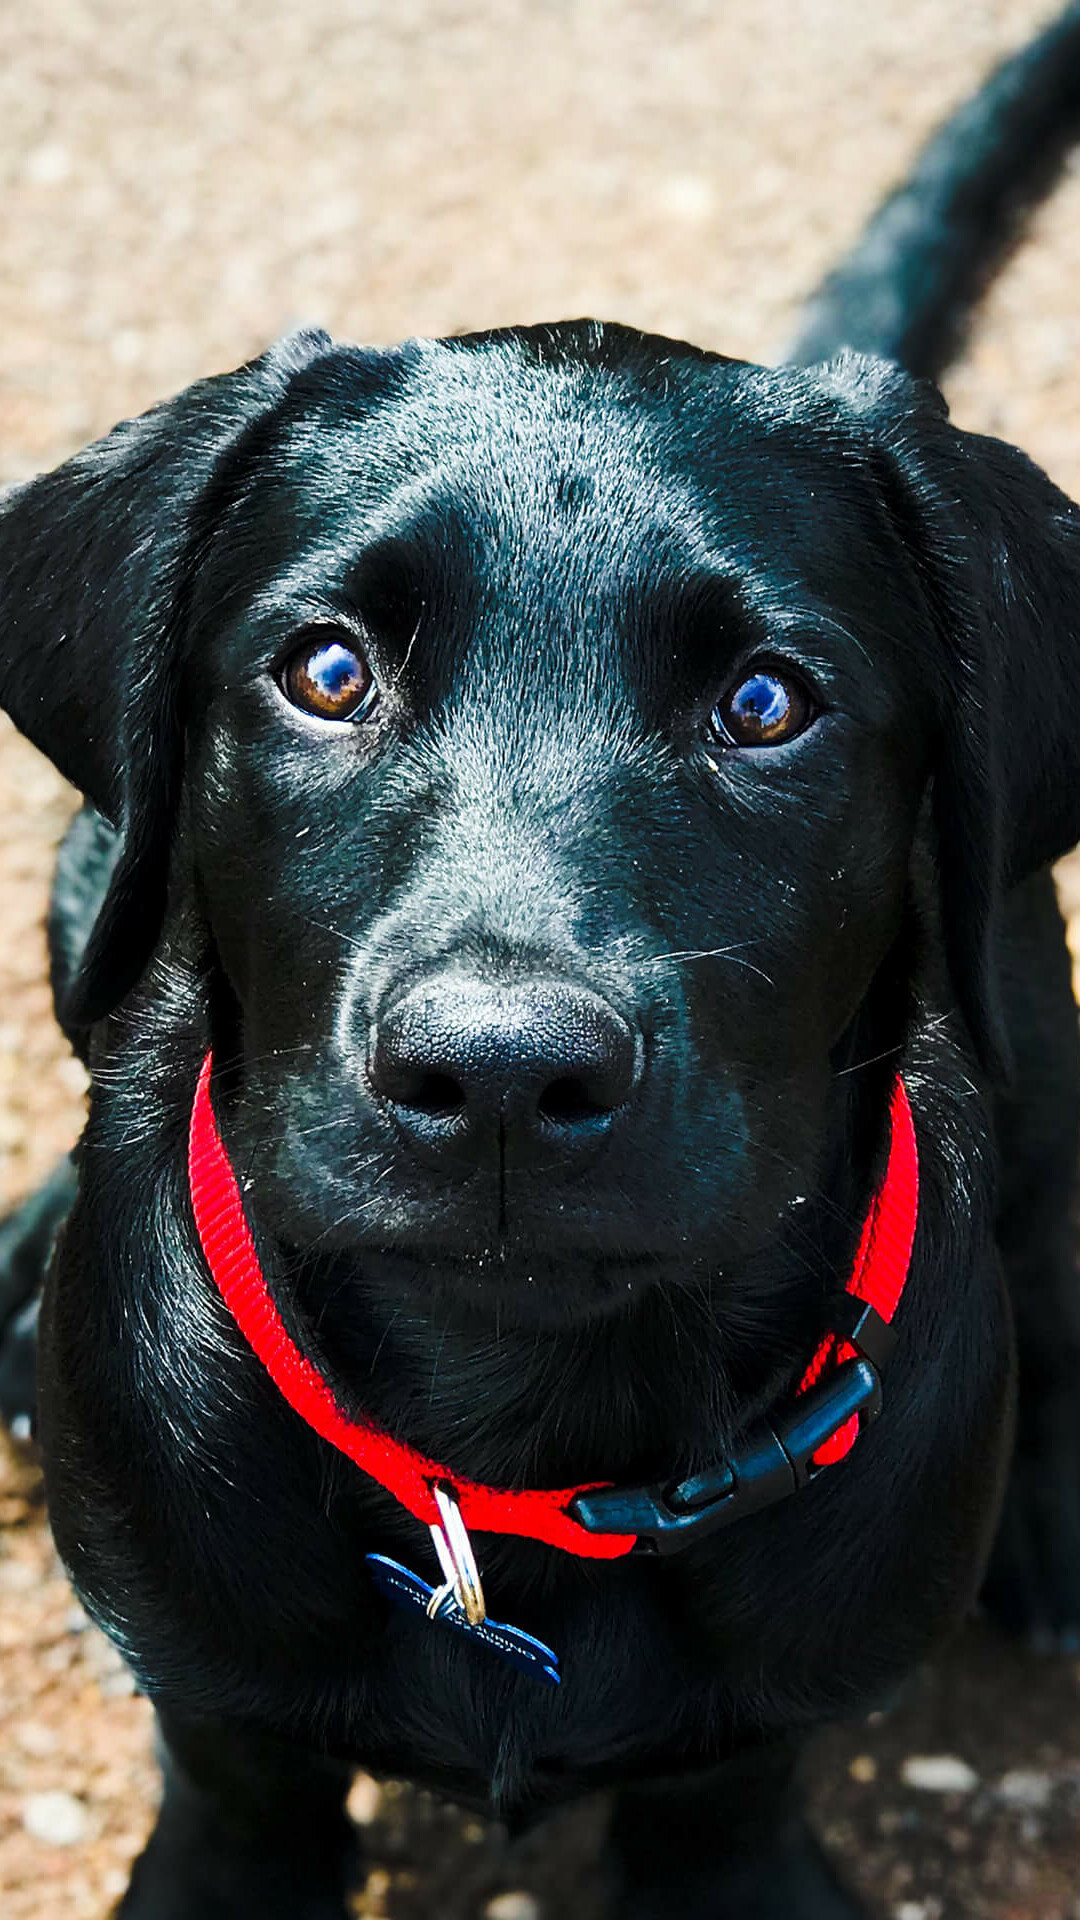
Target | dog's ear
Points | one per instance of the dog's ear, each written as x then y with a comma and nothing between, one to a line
996,547
96,560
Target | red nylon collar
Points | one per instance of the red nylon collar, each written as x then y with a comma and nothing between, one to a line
878,1276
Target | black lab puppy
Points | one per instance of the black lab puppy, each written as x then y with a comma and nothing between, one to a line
566,781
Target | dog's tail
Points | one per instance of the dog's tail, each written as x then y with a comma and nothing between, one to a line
908,286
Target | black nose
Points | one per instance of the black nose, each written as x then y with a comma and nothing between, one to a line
522,1074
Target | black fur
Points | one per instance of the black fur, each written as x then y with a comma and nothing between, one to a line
561,546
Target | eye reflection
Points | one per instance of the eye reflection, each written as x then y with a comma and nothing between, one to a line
764,710
329,676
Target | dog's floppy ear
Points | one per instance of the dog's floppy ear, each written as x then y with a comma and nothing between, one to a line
95,559
997,548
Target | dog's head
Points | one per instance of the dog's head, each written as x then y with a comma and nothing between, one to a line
537,728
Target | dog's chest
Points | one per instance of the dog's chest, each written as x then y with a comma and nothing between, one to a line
452,1714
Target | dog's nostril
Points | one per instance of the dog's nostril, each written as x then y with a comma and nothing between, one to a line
435,1094
568,1101
475,1070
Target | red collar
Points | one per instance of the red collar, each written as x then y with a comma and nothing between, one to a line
877,1279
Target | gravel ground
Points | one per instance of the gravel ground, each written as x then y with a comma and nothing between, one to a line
178,187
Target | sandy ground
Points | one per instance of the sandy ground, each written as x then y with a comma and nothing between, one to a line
179,186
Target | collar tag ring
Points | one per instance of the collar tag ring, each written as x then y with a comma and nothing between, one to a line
456,1557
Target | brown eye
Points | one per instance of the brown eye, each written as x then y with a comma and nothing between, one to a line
764,710
329,677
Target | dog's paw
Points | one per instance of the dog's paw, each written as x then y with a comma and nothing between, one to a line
27,1238
1032,1585
186,1894
18,1371
793,1881
200,1864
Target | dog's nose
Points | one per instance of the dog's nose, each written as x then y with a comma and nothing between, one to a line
528,1073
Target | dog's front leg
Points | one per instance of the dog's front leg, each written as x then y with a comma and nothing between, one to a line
251,1828
728,1844
1033,1583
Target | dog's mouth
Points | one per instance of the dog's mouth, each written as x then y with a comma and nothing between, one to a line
635,1216
679,1200
341,1295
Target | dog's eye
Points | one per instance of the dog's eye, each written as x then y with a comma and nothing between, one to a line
764,710
329,677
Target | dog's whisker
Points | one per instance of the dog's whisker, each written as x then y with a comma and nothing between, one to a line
383,1338
887,1053
702,953
436,1358
336,933
242,1060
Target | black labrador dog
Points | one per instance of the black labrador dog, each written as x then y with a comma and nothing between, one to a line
556,800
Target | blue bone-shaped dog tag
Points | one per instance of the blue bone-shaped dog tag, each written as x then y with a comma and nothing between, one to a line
407,1590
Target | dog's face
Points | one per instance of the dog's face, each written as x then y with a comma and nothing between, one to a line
558,710
541,952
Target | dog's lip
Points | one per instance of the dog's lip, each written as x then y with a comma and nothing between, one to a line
577,1283
515,1254
510,1258
520,1284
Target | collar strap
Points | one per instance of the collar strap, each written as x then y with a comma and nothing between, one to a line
818,1426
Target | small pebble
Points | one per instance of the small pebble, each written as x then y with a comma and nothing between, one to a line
36,1739
118,1685
364,1798
17,1576
56,1818
1026,1789
513,1906
687,197
47,165
938,1773
71,1075
58,1658
376,1887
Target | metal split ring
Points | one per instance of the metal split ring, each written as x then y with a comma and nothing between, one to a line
456,1558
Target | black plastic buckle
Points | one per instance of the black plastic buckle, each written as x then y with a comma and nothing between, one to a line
864,1327
774,1460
